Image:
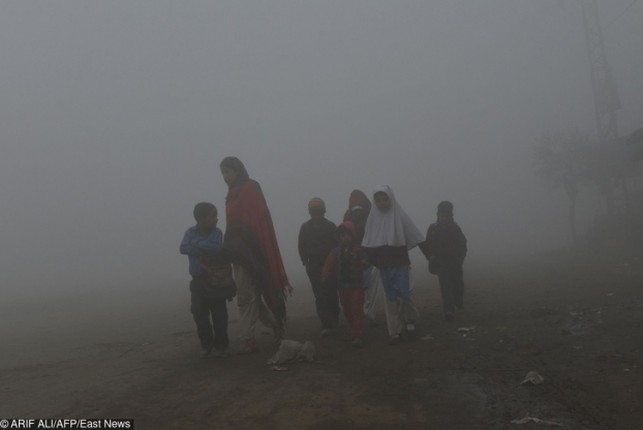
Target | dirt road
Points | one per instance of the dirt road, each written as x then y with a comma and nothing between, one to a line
579,327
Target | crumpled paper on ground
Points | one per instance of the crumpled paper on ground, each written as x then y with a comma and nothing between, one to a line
528,419
533,378
291,350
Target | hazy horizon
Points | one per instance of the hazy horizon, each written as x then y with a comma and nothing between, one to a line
116,115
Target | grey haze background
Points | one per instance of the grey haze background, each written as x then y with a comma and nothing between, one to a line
114,116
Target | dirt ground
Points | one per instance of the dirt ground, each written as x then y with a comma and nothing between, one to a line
579,324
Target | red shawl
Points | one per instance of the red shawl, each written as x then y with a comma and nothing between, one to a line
246,206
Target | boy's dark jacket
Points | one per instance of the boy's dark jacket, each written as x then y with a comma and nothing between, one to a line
316,239
445,241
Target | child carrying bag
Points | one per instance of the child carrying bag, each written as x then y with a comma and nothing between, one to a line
218,275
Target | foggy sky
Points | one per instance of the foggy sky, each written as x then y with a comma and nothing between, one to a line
114,116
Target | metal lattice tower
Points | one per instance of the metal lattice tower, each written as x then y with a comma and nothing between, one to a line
606,99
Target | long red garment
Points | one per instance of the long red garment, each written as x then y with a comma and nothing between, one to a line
246,205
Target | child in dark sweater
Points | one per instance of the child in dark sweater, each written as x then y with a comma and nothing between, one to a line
446,248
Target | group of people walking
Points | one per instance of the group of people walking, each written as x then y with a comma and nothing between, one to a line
346,264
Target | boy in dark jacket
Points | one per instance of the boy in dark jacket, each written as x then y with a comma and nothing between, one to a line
446,248
345,265
316,239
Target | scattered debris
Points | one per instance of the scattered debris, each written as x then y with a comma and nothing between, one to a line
576,326
279,368
291,350
465,331
529,419
427,337
533,378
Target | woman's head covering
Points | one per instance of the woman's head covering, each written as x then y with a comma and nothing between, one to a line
393,227
234,164
358,200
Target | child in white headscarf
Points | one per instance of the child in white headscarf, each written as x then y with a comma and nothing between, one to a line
389,235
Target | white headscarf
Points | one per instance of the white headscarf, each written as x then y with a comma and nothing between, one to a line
393,227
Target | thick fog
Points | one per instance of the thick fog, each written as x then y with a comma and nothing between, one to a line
114,117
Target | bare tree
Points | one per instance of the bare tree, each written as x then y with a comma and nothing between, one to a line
562,159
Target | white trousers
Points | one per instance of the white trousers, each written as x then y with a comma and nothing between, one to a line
251,307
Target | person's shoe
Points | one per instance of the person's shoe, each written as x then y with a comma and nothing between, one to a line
249,347
221,353
326,332
357,343
207,350
395,339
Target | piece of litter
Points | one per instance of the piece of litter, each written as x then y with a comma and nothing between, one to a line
290,350
466,330
528,419
626,370
609,294
533,378
427,337
279,368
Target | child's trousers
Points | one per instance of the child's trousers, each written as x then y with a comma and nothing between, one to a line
326,302
203,308
452,289
352,300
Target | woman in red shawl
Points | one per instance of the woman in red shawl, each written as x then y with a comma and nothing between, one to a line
251,241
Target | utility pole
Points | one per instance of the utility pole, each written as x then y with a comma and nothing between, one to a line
606,99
